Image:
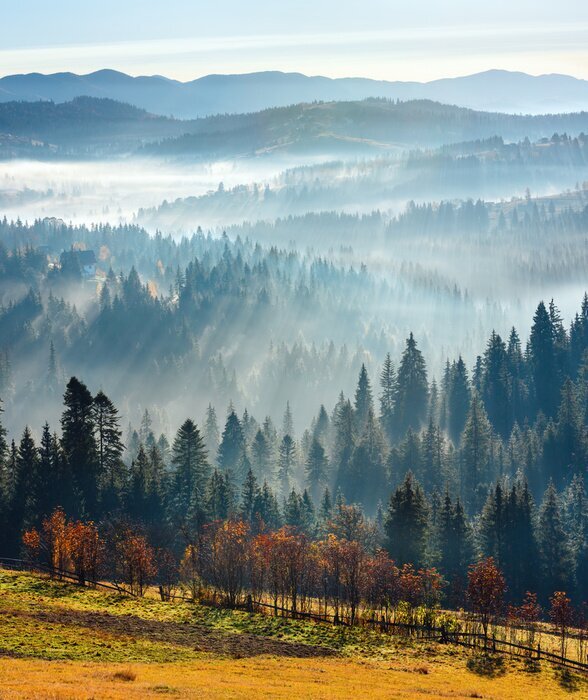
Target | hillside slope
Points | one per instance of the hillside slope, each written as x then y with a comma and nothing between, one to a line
60,641
92,126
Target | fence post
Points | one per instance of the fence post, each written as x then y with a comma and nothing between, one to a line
538,652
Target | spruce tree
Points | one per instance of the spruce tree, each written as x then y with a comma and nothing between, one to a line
363,400
23,506
458,400
388,388
286,463
475,455
260,456
495,385
211,432
232,448
316,469
190,472
542,362
412,391
406,524
79,445
108,441
555,556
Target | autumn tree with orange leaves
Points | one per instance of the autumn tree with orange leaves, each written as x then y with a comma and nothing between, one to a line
486,588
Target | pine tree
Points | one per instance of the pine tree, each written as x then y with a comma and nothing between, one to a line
455,547
406,524
344,446
232,447
211,432
367,476
260,456
363,400
475,455
542,362
52,384
294,511
288,422
458,400
108,440
518,391
576,524
411,396
433,458
556,558
326,508
495,385
248,494
190,472
286,463
321,426
4,485
23,507
316,468
219,498
79,444
388,388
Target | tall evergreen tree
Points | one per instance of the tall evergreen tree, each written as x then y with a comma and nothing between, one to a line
388,389
316,469
108,441
363,400
412,391
286,463
458,400
232,448
79,444
190,473
475,455
542,362
406,524
211,432
555,556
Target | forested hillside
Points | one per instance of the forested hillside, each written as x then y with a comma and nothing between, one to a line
435,474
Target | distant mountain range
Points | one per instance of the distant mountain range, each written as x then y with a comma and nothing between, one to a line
495,90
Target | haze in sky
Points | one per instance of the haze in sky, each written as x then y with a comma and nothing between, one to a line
186,39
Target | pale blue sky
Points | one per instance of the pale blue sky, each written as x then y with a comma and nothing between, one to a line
384,39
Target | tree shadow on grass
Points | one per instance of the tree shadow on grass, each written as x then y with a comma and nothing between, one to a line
567,680
184,634
486,665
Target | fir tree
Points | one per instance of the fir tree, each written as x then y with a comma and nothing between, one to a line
232,447
475,454
79,444
286,463
411,395
556,558
406,524
458,400
363,400
388,388
190,472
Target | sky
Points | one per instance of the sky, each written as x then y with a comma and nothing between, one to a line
383,39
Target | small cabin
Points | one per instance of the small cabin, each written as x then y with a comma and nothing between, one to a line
84,259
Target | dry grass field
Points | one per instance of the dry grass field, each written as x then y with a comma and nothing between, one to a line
59,641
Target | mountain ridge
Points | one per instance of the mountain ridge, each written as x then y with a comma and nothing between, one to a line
496,90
